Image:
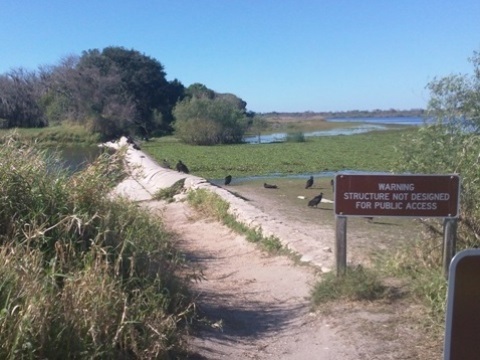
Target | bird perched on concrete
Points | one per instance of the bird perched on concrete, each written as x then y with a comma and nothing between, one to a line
316,200
228,179
181,167
309,183
132,142
269,186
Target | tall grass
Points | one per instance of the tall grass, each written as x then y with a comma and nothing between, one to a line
420,263
84,276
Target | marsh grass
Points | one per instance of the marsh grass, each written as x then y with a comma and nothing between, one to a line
375,151
53,136
419,263
357,284
212,205
168,193
83,275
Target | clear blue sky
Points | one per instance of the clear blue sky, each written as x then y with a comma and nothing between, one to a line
277,55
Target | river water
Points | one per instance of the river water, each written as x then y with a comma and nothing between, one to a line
364,125
76,158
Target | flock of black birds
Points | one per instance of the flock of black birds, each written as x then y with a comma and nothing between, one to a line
313,202
181,167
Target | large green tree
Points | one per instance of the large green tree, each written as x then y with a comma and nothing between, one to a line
450,143
143,81
90,95
204,121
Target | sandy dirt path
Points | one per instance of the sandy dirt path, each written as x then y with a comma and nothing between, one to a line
257,304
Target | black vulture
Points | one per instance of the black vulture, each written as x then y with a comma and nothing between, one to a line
309,183
269,186
228,179
181,167
316,200
132,142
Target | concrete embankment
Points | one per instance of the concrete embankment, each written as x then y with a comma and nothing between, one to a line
147,177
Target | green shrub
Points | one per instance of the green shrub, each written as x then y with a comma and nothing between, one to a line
204,121
419,263
357,283
295,137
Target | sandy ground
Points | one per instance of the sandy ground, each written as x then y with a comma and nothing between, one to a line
256,306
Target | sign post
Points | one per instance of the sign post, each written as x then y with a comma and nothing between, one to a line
449,243
399,195
341,244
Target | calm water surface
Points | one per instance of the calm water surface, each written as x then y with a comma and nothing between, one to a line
76,158
364,125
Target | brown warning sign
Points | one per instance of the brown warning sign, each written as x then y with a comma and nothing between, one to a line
397,195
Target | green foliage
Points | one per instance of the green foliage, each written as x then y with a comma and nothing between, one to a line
204,121
356,284
451,145
295,137
257,125
199,91
334,153
419,263
54,107
53,136
111,92
212,205
168,193
83,275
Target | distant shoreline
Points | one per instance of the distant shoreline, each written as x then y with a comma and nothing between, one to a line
346,114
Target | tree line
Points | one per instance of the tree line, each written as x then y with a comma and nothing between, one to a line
116,91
